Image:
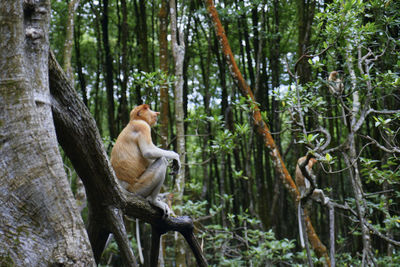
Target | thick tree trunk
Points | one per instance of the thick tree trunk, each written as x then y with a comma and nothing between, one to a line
40,224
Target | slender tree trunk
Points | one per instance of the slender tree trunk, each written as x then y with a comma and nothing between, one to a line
178,50
69,38
248,50
40,224
164,97
108,68
305,13
81,76
262,128
275,69
351,159
80,195
124,116
144,44
98,103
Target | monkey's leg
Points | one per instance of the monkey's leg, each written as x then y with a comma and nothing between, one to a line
319,195
150,182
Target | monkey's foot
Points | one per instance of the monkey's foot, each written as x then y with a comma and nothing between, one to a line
163,206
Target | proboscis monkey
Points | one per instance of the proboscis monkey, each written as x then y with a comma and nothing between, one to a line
139,165
335,83
304,186
336,88
302,183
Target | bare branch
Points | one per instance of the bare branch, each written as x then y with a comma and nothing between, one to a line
383,111
376,143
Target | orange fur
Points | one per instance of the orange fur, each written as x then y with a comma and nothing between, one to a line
126,158
137,162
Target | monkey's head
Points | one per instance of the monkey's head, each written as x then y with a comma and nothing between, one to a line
143,112
333,76
311,161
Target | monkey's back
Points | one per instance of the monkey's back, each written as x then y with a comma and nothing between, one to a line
126,157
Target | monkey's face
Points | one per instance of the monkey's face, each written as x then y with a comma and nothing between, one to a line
333,76
152,117
143,112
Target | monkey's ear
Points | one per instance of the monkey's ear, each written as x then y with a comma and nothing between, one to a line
143,107
138,113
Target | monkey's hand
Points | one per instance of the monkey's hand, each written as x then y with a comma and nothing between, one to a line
175,167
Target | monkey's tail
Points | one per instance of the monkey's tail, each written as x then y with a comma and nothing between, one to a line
300,219
139,245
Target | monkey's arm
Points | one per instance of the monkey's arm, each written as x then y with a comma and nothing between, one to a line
150,151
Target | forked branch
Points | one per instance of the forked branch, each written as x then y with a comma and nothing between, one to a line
79,137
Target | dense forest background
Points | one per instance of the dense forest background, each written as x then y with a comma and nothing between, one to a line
118,54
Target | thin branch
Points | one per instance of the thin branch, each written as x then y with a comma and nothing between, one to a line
312,56
116,222
378,193
376,143
351,163
383,111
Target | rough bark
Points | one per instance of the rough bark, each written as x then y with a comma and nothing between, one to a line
262,128
81,141
37,226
